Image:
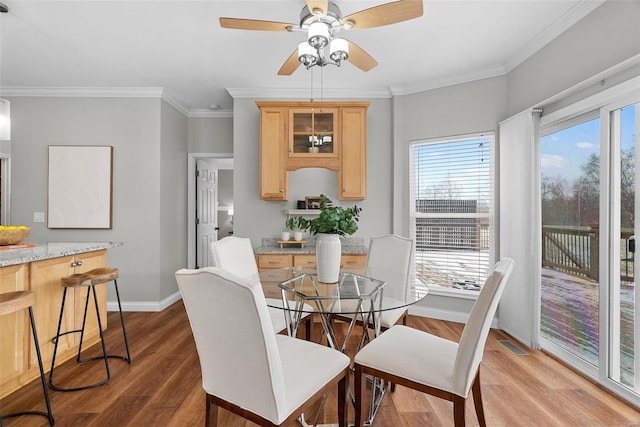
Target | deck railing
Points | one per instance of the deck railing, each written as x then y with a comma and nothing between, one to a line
575,250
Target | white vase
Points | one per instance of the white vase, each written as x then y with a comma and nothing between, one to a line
328,249
297,236
286,235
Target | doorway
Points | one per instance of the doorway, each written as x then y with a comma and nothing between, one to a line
204,204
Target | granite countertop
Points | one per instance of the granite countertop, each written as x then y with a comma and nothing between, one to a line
350,245
51,250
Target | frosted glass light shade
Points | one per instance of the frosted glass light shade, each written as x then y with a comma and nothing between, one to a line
5,120
318,35
307,54
339,50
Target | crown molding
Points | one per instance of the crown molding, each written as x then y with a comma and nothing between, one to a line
210,113
494,71
562,24
175,104
298,93
84,92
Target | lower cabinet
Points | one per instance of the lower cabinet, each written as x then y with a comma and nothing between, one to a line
270,261
18,360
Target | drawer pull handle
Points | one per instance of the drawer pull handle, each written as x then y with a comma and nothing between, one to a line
76,264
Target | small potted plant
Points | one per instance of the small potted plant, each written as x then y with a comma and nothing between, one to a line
331,223
297,224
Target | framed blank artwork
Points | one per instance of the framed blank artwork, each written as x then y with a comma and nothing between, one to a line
80,181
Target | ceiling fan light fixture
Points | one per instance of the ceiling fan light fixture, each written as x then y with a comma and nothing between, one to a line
307,55
339,50
318,35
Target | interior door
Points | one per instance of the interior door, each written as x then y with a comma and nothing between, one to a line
206,211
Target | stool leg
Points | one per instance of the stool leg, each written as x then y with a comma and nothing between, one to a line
79,360
84,322
57,338
124,331
104,348
47,414
42,377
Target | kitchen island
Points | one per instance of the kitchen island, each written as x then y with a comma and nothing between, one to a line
40,269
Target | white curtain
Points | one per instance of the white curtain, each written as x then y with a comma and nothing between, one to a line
519,220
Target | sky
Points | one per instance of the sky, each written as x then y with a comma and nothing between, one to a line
564,152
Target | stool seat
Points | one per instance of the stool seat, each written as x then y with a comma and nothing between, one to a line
96,276
10,302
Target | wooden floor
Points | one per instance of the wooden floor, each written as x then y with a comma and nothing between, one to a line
162,386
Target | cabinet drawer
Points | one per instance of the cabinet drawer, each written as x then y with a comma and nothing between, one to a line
274,261
304,260
353,261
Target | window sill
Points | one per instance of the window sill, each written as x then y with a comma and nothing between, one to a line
454,293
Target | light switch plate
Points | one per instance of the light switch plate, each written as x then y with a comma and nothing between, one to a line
38,217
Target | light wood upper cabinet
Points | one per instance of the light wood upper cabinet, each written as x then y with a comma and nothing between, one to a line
273,172
288,128
352,178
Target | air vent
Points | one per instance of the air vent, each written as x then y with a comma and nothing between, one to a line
513,348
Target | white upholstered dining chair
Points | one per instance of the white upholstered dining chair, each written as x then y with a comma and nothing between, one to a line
432,364
247,369
235,255
389,259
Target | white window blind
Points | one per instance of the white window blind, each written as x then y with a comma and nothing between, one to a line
452,198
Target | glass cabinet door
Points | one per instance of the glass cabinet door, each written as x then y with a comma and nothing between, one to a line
313,132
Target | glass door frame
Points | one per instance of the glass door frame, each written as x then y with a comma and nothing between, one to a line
610,254
606,103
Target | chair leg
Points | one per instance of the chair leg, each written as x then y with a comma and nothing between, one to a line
458,411
343,406
358,383
477,400
307,328
212,413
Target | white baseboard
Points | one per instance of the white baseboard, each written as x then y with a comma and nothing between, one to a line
145,305
446,315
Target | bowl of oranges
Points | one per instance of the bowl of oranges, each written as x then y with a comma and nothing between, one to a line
13,234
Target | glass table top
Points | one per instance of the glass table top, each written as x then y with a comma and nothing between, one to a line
358,289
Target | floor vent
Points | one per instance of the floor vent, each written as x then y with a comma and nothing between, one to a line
513,348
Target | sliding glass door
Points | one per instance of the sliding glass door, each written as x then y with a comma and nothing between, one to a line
590,305
570,191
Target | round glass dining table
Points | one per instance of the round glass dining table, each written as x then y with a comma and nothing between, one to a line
360,297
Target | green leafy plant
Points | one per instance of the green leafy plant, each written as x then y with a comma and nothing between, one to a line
335,219
297,223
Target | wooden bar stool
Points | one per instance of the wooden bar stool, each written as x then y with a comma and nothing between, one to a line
89,279
10,302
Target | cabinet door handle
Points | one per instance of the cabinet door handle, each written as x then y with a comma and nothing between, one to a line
76,264
281,190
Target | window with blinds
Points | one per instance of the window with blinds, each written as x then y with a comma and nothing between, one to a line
452,198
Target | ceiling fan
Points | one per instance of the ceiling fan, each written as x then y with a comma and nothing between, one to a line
323,20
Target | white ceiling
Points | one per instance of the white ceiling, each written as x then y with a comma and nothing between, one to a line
178,49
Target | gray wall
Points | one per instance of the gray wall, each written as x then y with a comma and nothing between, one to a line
210,135
607,36
173,198
148,178
255,218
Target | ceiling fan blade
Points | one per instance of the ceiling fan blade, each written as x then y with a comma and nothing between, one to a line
290,65
384,14
360,58
253,24
320,6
